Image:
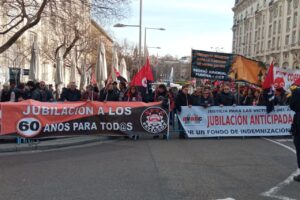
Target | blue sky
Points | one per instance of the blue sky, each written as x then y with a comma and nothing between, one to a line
197,24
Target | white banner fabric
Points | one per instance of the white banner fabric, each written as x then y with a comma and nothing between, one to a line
235,121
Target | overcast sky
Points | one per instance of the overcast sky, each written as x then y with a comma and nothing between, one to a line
197,24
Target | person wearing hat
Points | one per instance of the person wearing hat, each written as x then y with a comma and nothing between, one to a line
295,128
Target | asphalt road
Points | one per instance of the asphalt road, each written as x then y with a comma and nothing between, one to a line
206,169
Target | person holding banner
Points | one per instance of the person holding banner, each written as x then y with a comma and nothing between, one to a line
206,99
183,99
226,98
295,129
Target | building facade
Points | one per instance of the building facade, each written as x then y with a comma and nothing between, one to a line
268,30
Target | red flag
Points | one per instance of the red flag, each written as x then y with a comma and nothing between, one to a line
143,76
269,81
117,72
93,77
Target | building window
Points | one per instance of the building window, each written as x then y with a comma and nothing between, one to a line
289,7
287,40
279,26
275,12
296,3
270,30
288,24
294,37
278,43
280,11
269,44
274,27
295,19
273,43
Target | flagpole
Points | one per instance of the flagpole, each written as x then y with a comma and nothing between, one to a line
168,133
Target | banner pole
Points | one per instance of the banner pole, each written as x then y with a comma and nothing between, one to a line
239,93
168,133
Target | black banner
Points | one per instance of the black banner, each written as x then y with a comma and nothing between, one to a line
211,65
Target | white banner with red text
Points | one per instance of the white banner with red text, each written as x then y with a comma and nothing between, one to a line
237,121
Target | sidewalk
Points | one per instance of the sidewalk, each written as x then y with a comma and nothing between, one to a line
54,143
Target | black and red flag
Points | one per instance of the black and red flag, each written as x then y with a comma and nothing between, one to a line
268,89
144,76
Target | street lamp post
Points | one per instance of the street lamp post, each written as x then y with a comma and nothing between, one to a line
154,47
145,38
140,35
140,31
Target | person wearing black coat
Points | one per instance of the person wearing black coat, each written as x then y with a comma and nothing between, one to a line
206,99
182,99
19,93
71,93
5,94
161,94
226,98
41,93
295,129
109,94
196,96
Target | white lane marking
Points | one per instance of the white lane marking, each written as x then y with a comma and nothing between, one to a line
283,145
273,191
284,140
226,199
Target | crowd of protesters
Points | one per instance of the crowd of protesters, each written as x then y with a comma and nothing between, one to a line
172,99
206,95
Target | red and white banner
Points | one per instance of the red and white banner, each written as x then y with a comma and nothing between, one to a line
32,119
235,121
285,78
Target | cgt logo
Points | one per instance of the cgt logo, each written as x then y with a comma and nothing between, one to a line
154,120
192,118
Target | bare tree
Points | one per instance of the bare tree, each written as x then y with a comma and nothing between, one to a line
21,15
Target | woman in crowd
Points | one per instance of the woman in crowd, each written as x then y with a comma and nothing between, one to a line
132,94
123,90
256,99
89,94
248,98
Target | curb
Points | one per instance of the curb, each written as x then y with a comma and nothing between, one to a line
54,144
